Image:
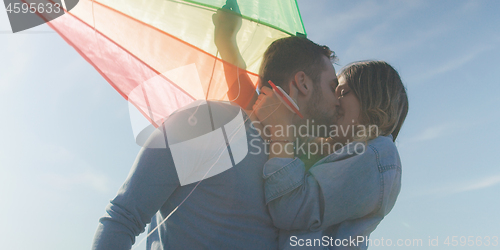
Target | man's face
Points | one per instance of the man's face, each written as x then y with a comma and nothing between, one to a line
322,104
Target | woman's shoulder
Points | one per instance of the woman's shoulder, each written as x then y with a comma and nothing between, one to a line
386,152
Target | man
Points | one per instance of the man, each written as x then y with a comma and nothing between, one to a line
170,174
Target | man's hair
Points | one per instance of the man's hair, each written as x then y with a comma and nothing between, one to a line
287,56
381,93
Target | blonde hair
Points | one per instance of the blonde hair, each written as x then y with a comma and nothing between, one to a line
382,96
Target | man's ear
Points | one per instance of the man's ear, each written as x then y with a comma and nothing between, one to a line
303,83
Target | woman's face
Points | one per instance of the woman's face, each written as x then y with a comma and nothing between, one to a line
349,110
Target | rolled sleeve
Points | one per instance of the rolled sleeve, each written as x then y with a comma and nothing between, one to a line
281,176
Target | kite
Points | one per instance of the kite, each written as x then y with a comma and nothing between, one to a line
160,55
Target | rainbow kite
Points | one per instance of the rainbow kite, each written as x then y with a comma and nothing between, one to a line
160,55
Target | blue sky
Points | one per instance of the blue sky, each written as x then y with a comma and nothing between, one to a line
67,143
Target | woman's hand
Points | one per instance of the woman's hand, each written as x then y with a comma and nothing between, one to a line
276,118
273,114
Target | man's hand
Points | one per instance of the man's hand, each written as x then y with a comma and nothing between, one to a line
227,24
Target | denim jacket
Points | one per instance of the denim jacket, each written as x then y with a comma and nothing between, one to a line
345,195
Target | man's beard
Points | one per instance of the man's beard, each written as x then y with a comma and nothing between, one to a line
321,115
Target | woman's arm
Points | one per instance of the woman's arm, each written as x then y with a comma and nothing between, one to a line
346,188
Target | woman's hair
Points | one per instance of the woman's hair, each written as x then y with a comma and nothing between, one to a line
382,96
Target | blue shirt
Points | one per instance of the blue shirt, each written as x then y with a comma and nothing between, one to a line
225,211
346,194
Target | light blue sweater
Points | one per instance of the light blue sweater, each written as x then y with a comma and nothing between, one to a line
226,211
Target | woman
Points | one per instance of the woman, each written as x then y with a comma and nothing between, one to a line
347,193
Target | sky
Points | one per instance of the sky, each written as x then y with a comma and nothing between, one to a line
67,144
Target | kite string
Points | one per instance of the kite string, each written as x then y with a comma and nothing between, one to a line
212,75
182,202
239,84
210,82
